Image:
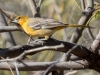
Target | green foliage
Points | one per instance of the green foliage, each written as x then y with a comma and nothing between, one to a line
97,14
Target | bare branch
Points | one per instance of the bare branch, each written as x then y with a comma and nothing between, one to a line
96,44
40,2
16,68
90,4
83,4
50,44
9,28
33,6
90,33
34,66
7,37
84,19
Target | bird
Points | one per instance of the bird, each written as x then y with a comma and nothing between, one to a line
41,27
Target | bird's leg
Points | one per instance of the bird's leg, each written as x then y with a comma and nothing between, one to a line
29,40
39,41
43,39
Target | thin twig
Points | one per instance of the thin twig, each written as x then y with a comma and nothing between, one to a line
7,37
77,5
48,69
8,65
17,71
33,6
90,34
83,20
5,14
40,2
83,5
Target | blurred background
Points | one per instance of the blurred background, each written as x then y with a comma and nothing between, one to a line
70,12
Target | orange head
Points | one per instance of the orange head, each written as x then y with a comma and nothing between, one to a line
20,20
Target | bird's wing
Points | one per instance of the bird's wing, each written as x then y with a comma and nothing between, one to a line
41,23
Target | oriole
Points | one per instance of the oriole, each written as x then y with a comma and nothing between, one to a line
40,27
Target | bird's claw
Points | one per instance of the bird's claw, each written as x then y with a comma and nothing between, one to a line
37,41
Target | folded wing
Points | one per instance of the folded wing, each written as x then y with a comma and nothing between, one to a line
41,23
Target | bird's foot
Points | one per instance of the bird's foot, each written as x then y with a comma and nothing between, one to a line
38,41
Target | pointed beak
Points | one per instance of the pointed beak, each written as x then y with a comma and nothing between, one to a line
14,21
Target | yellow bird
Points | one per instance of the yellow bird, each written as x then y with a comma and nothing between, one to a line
40,27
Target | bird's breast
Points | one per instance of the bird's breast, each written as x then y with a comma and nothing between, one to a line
38,32
43,32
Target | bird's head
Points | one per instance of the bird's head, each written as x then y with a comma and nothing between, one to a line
20,20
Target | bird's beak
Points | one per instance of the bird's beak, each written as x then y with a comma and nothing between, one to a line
14,21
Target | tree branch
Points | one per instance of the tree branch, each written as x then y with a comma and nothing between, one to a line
35,66
96,44
9,28
55,45
33,6
50,44
84,19
83,4
7,37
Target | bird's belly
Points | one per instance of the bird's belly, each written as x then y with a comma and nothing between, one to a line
38,33
42,32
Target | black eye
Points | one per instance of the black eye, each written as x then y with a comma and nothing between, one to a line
18,18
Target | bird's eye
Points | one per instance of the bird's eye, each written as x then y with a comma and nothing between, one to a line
18,18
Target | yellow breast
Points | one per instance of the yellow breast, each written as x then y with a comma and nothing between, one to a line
37,33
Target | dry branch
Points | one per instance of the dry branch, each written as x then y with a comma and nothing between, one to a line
50,44
83,20
55,45
96,44
35,66
9,28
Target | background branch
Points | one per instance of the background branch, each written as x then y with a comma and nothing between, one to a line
89,32
7,37
96,44
9,28
83,4
35,66
33,6
83,20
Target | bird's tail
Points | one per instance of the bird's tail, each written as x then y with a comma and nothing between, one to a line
76,25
